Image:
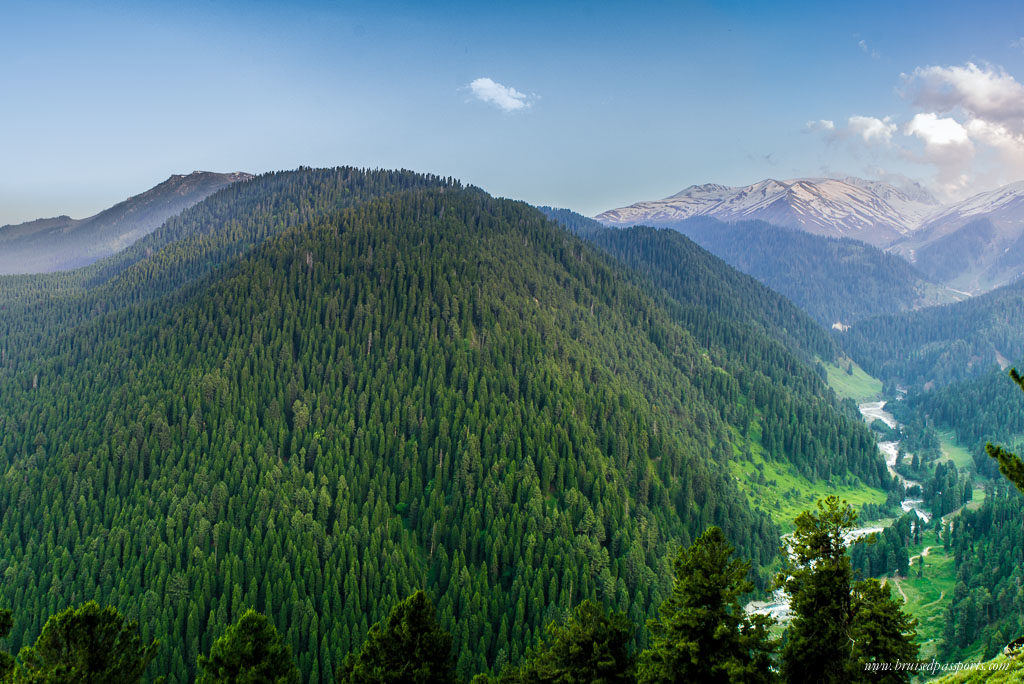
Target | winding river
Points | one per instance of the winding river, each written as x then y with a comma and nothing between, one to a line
778,605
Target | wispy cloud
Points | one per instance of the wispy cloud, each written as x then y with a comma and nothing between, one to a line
868,129
820,125
505,98
867,50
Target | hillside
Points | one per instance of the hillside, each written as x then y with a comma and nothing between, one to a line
328,388
834,280
942,344
63,243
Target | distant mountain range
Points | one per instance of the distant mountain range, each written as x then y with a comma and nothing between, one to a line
63,243
870,211
973,245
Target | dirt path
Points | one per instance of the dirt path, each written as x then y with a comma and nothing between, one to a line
942,595
896,582
923,554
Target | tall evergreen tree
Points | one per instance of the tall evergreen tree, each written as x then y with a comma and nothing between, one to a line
838,626
881,633
88,644
817,578
251,650
591,647
702,632
409,646
6,660
1010,464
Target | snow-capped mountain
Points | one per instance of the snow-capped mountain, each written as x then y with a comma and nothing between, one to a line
973,245
871,211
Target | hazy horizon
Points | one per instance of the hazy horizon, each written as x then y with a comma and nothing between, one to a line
586,107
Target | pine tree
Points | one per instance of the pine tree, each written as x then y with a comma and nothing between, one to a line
838,626
87,644
818,578
251,650
409,646
592,646
703,633
6,660
881,632
1010,464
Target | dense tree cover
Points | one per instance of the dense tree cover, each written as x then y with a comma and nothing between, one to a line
880,632
838,625
409,647
834,280
1010,464
717,300
6,659
702,633
941,344
987,605
572,221
591,647
198,242
989,407
761,338
87,644
251,650
886,553
312,402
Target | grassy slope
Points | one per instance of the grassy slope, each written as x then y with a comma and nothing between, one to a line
780,491
952,451
926,597
999,670
860,386
783,493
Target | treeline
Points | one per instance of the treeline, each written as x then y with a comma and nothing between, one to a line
987,605
989,407
832,279
702,632
940,344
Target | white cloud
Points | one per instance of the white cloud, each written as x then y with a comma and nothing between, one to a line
986,93
947,147
937,131
966,123
820,125
871,129
863,45
505,98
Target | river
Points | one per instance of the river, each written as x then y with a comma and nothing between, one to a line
778,605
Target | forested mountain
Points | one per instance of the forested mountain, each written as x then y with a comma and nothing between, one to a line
835,280
64,243
723,299
317,391
985,609
942,344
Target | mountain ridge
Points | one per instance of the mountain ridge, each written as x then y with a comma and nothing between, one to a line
871,211
62,243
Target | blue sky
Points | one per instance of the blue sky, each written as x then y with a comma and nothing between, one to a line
584,105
